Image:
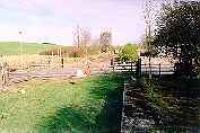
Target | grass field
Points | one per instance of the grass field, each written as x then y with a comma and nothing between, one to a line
16,48
84,106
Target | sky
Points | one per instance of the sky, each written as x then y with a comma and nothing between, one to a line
54,21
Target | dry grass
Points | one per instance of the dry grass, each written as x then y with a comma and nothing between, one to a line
47,62
34,62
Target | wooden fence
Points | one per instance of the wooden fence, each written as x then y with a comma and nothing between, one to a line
141,68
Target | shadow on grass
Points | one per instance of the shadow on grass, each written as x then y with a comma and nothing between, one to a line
77,119
67,119
109,120
169,104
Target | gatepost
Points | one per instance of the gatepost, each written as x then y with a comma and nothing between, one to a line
138,68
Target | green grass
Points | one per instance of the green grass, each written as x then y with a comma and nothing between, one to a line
16,48
89,105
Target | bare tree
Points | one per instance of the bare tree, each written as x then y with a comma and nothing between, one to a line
105,40
77,36
85,42
85,37
82,37
150,15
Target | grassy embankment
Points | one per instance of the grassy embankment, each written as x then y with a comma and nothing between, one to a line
88,105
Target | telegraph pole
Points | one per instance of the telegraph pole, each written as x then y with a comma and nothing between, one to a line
78,37
148,22
76,40
21,48
78,43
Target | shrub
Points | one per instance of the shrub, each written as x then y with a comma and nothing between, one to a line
71,51
56,51
74,52
128,53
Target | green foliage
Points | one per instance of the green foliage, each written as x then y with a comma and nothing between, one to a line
155,97
128,53
151,91
178,34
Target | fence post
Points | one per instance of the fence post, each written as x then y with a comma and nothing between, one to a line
131,66
145,68
138,68
62,62
150,71
112,64
159,69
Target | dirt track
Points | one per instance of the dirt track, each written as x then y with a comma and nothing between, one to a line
65,73
24,75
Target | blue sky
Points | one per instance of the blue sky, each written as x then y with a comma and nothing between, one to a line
55,20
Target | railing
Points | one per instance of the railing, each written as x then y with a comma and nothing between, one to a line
156,69
126,66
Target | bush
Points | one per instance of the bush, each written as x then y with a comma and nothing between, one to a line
128,53
71,51
94,49
74,53
56,51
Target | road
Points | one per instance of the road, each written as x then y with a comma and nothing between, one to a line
21,76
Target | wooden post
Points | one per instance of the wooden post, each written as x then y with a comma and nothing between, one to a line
145,68
138,69
159,69
62,62
131,66
112,64
4,75
60,52
52,54
150,75
113,68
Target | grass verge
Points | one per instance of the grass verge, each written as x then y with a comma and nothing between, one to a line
89,105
